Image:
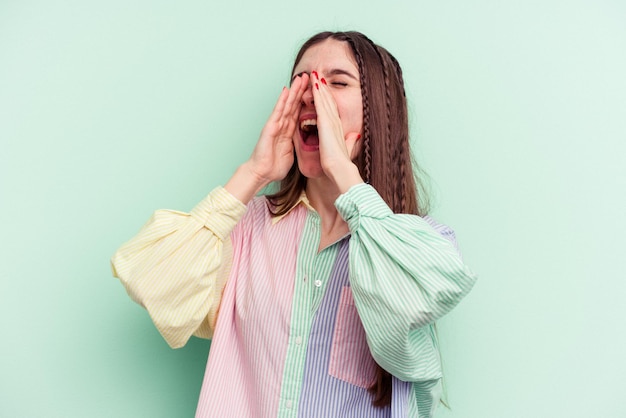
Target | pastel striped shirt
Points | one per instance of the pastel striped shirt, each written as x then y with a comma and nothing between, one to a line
296,332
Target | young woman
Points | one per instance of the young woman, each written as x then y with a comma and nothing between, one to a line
321,298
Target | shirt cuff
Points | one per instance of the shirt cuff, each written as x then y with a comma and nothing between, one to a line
219,211
361,200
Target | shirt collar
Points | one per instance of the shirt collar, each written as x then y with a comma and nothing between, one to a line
301,200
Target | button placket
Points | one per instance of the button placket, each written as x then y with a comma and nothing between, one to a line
300,321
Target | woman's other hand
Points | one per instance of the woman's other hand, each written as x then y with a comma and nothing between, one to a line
337,148
273,154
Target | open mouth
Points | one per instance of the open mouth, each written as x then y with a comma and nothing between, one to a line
308,132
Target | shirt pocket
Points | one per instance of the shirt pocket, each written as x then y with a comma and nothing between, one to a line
350,357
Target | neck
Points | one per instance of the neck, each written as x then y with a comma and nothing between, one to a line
322,194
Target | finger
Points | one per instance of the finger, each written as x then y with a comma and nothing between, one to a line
291,111
298,87
280,105
288,100
324,100
328,119
304,83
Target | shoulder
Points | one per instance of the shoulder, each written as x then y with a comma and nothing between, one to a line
259,203
260,209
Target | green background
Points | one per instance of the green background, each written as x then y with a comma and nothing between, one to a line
110,110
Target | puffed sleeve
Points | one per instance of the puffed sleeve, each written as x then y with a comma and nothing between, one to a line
404,276
177,265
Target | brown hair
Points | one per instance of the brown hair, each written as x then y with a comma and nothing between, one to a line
385,161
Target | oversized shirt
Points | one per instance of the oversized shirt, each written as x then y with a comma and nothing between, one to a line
299,330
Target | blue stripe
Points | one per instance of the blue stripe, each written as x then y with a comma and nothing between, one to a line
324,395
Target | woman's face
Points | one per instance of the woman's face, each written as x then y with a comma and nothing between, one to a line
334,61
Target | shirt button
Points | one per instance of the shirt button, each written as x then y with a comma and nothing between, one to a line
318,283
288,404
298,340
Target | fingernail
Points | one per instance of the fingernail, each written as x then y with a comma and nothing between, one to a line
358,136
317,86
323,81
315,74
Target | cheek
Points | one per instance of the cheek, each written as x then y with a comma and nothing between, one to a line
351,117
354,122
359,120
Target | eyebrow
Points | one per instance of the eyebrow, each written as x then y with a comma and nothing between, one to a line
334,71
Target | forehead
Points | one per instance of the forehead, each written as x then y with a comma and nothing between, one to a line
326,55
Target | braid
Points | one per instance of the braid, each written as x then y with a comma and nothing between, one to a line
396,65
366,113
368,158
393,148
406,168
405,182
403,147
402,184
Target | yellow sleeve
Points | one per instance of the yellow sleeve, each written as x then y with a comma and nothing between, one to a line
177,266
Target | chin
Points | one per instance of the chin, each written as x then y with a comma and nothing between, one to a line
311,170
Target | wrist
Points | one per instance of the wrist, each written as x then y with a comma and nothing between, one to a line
346,176
245,183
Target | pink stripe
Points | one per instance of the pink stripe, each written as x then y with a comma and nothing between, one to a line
350,357
252,330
